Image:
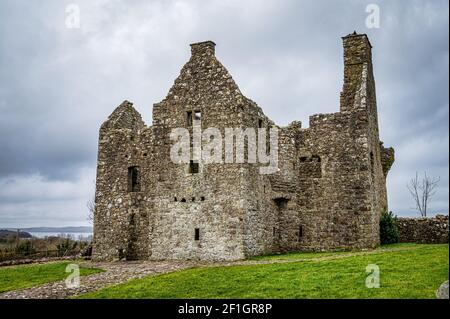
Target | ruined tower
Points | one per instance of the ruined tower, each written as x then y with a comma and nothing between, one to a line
327,194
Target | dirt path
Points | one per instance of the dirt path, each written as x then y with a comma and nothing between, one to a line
119,272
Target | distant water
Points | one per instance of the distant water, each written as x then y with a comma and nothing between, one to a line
56,234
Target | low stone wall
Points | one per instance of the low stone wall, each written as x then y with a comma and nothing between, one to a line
427,230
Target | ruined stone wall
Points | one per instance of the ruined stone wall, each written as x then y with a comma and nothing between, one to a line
341,187
362,95
284,191
428,230
215,200
334,198
328,192
255,193
120,221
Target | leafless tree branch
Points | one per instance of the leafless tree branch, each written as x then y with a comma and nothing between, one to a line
422,191
90,204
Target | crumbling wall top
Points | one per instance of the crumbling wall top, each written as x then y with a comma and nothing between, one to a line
125,116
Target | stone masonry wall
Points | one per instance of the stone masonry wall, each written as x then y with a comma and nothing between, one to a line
328,192
428,230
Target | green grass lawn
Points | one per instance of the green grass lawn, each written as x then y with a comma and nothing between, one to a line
26,276
409,271
312,255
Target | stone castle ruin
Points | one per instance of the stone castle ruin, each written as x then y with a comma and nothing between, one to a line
327,194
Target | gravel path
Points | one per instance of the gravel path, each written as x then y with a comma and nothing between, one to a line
119,272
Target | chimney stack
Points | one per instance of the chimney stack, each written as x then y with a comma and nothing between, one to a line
357,49
357,70
203,48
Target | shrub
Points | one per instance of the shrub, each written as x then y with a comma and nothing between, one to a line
388,229
25,248
66,246
86,251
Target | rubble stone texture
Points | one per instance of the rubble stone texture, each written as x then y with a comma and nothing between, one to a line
424,230
442,292
328,193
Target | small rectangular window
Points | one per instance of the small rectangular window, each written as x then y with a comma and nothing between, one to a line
193,167
281,202
189,118
197,116
260,123
300,232
197,234
133,179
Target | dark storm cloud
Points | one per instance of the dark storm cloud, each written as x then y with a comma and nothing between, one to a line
59,84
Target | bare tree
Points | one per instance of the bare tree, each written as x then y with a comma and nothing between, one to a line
422,191
90,204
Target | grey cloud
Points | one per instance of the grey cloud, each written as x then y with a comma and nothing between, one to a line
58,84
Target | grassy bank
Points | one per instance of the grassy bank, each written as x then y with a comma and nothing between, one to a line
406,271
26,276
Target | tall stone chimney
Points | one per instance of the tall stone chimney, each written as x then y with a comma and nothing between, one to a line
357,69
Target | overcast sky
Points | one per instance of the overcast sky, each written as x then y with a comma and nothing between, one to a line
58,84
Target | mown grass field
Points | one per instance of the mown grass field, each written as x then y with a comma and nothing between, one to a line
314,255
406,271
26,276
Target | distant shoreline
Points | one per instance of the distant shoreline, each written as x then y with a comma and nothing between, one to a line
71,235
67,229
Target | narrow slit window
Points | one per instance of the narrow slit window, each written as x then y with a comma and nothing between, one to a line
133,179
260,123
300,232
189,118
197,234
132,219
193,167
372,162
